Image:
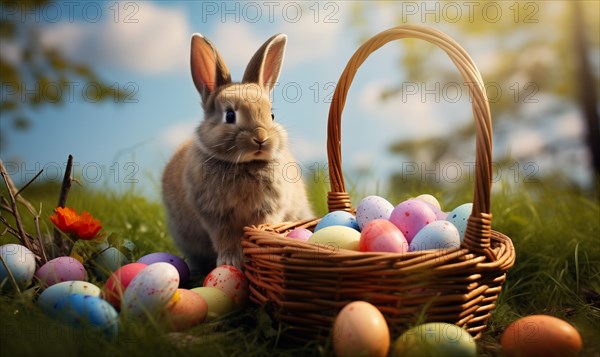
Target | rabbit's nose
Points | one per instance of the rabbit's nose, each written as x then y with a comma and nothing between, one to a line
260,136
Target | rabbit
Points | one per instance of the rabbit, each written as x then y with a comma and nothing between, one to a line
232,174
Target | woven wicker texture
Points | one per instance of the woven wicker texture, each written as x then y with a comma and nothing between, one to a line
304,286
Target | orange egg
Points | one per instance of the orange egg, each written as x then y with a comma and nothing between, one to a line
360,330
185,310
540,335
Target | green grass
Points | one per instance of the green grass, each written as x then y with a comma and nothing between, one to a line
555,232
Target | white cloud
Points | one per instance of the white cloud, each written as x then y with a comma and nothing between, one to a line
308,40
409,116
236,42
569,125
526,144
178,133
305,150
157,43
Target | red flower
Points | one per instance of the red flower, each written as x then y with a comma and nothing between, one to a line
82,227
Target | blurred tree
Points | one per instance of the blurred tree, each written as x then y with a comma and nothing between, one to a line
32,75
538,46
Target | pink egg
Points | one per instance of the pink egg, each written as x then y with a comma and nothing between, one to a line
382,235
301,234
412,215
119,281
231,281
60,269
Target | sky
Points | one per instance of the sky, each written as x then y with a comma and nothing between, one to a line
144,46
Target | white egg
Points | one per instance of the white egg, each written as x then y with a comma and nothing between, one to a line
371,208
150,291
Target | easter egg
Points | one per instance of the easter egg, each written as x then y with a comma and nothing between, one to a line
435,339
360,330
540,335
107,261
118,282
219,304
382,235
371,208
150,290
20,262
78,310
60,269
459,217
185,310
49,297
301,234
436,235
410,216
336,237
182,268
337,218
231,281
427,198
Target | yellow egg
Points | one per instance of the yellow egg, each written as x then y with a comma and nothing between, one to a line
360,330
336,237
540,335
186,309
219,304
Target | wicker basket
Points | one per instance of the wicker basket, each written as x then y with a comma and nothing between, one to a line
304,286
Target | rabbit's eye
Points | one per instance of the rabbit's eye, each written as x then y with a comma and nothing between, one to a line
230,117
272,116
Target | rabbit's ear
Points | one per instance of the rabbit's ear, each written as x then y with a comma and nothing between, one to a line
208,69
265,65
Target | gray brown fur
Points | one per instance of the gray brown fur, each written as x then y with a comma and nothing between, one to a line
231,175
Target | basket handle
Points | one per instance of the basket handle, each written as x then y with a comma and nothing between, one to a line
478,233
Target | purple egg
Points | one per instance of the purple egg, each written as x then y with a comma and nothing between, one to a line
60,269
412,215
301,234
177,262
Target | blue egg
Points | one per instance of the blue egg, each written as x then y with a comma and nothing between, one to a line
436,235
78,310
49,297
338,218
459,217
106,262
20,262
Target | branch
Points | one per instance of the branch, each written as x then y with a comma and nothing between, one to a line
61,244
13,204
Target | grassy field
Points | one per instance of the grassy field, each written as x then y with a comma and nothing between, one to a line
554,229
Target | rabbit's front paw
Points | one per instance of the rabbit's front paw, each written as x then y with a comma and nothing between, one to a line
230,258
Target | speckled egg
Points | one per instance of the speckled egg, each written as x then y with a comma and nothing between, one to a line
219,304
78,310
182,268
360,330
436,235
410,216
150,291
371,208
459,217
382,235
106,262
49,297
301,234
435,339
231,281
60,269
336,237
185,310
337,218
21,262
541,336
118,282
